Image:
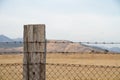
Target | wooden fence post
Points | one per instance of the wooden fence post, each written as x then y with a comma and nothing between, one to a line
34,52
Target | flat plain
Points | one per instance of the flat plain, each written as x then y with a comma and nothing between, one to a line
85,59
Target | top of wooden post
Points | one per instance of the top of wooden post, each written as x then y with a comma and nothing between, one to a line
33,24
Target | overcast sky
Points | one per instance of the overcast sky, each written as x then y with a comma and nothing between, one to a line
76,20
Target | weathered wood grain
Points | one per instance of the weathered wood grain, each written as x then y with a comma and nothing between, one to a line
34,52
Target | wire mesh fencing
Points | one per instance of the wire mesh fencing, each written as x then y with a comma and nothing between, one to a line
11,72
82,72
64,72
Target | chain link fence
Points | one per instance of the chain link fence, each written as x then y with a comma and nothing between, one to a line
11,72
64,72
82,72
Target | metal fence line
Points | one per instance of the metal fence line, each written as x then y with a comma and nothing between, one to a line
20,42
63,72
61,52
55,42
82,72
61,64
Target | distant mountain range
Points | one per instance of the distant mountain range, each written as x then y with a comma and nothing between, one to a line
4,38
54,47
6,42
114,49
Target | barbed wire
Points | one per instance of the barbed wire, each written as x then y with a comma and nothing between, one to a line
15,42
47,42
79,65
62,64
62,52
20,42
11,52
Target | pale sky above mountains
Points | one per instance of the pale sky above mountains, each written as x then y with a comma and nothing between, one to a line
76,20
